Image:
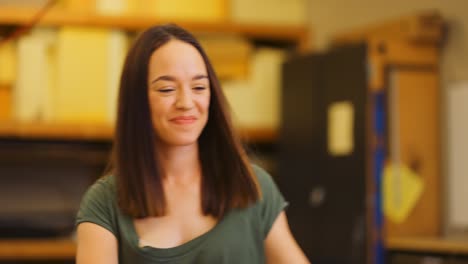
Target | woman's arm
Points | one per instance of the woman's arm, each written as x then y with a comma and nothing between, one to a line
280,245
95,245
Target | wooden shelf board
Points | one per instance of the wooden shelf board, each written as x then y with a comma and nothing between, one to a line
37,249
428,244
422,27
56,131
101,132
23,16
258,135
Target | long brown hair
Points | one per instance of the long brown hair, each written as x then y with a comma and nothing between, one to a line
228,180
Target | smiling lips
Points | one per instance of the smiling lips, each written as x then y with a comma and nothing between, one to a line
184,120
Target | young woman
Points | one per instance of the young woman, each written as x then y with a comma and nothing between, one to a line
181,189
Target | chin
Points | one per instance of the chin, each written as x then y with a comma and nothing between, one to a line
182,141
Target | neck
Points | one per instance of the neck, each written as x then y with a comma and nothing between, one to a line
180,164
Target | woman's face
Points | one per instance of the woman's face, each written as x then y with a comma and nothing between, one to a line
178,92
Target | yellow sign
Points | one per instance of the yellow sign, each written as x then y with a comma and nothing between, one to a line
402,188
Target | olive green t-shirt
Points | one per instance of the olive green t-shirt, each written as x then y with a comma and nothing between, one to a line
237,238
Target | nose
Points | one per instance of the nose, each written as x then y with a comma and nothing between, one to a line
184,99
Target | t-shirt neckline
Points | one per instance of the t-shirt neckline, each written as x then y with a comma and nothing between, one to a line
171,252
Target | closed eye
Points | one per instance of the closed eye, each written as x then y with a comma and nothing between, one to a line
166,90
199,88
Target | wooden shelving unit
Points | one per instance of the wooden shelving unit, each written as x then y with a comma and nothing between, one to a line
20,16
441,245
425,27
23,16
37,249
56,131
102,132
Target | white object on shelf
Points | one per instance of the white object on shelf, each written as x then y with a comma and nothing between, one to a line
32,93
255,102
457,114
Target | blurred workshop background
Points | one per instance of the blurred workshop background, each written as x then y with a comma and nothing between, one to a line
357,108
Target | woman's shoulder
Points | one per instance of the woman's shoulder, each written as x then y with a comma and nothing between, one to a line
268,186
100,195
98,204
102,187
106,181
271,202
264,179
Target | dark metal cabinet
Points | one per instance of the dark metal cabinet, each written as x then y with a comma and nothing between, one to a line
327,193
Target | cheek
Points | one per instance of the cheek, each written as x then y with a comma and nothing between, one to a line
205,103
158,107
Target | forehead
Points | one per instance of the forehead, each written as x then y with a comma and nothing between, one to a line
176,58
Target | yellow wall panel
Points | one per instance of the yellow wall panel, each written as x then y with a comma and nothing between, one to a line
82,77
117,51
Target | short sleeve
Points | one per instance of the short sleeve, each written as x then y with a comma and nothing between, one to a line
272,202
98,205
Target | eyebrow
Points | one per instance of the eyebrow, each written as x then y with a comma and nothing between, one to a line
173,79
